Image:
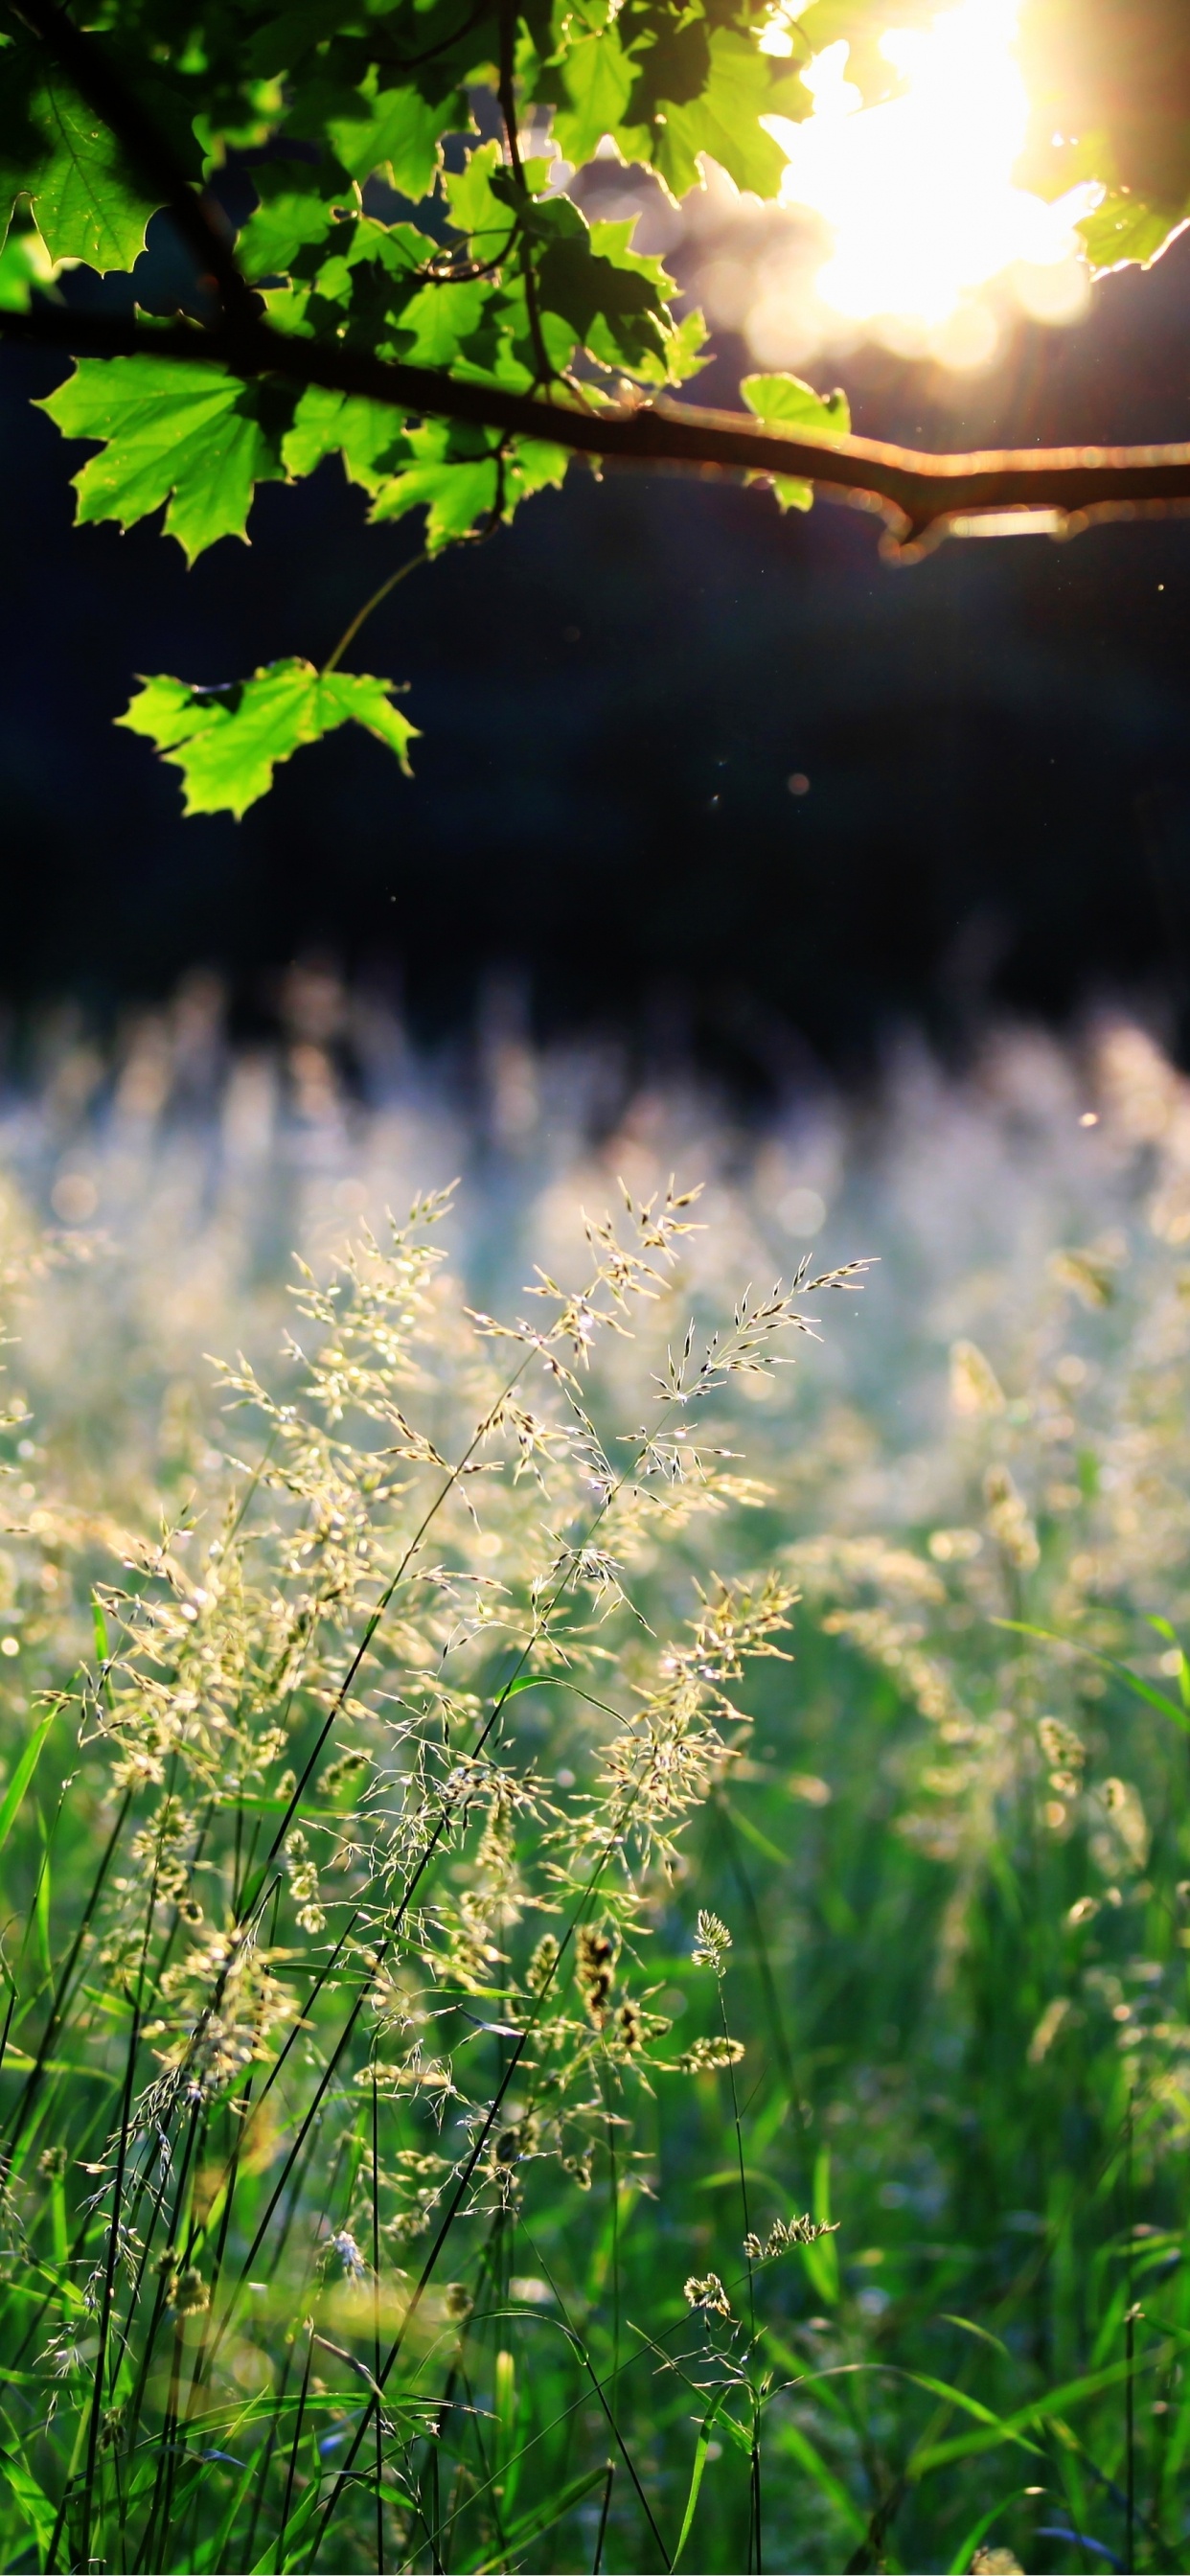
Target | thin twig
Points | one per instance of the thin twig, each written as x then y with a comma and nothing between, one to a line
362,614
507,97
604,2510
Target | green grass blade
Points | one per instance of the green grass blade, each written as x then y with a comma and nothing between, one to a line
796,2444
700,2460
533,2526
1011,2428
11,1803
1132,1681
967,2548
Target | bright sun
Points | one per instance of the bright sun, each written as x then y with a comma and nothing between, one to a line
919,193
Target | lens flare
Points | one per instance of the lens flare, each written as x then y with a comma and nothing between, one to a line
919,192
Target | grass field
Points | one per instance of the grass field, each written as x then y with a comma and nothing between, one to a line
594,1925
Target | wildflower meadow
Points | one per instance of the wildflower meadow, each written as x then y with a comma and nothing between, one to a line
595,1810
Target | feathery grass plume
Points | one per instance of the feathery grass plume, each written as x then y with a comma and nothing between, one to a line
1009,1520
440,2215
974,1386
323,1736
188,2294
793,2231
1089,1270
594,1965
707,2294
714,1942
1065,1752
705,2054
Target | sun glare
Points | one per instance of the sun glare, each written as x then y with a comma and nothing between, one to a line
919,193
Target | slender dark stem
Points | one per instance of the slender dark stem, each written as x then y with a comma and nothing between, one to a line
12,2005
435,2500
614,2188
362,614
373,1622
507,97
604,2510
754,2538
293,2452
739,2148
301,2020
239,2114
429,53
109,2280
158,2532
1129,2351
463,2185
306,2133
57,2007
376,2321
776,2018
158,2308
268,2450
629,2464
167,2468
444,1821
757,2528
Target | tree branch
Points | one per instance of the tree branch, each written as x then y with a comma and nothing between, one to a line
919,494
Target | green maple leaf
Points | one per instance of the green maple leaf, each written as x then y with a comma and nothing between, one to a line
1109,90
1125,228
723,120
461,480
192,437
791,404
786,403
25,263
368,436
612,298
456,499
291,219
227,742
55,152
475,207
437,322
596,85
400,132
682,356
670,87
85,203
860,24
